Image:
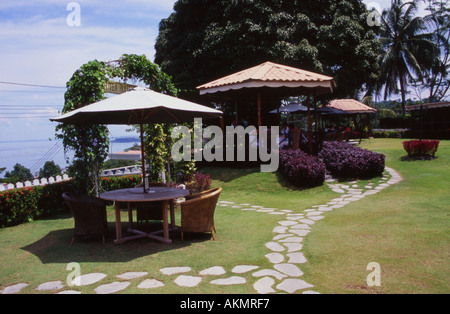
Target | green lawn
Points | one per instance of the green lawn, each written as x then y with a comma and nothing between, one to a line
403,228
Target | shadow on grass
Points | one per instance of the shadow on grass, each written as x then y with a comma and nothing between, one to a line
55,247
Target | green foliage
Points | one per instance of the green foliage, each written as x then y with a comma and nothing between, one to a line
207,39
90,143
21,205
27,204
18,174
406,52
118,183
50,169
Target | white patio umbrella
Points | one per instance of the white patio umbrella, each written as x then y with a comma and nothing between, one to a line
139,106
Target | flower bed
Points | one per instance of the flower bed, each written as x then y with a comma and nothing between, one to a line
301,169
347,161
421,148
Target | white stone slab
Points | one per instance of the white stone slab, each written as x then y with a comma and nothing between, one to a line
150,284
269,272
132,275
88,279
292,285
213,271
275,258
234,280
289,269
174,270
112,287
188,281
51,285
14,288
264,285
242,269
275,247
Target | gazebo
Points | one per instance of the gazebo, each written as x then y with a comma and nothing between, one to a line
349,108
265,84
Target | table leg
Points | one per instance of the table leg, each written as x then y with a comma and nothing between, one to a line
118,225
172,213
130,215
165,221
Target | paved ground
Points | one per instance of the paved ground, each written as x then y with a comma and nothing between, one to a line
284,252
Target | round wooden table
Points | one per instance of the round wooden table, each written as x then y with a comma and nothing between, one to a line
137,195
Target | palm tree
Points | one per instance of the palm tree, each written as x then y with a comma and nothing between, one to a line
406,49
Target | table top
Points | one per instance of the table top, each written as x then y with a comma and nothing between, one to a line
138,195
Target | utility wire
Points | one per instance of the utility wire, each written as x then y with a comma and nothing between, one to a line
31,85
49,155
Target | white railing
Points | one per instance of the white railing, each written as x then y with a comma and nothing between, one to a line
35,182
117,172
122,171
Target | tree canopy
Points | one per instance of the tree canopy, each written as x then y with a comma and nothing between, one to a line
203,40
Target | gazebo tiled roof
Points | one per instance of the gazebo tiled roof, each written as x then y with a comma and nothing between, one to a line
270,74
351,106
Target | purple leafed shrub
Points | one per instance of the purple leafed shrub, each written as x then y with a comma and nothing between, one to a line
301,169
347,161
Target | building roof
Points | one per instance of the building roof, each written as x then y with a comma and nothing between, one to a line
444,104
129,155
269,74
350,105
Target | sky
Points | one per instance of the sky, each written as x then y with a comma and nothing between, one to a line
40,45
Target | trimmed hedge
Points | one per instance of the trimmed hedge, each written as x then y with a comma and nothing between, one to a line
301,169
347,161
27,204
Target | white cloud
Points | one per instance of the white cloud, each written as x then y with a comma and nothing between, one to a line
38,47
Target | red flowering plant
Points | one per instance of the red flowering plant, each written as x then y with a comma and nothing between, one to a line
417,149
198,182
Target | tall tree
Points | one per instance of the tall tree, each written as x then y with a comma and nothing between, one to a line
406,48
18,174
438,21
203,40
50,169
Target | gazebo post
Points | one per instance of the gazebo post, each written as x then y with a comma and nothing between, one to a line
236,111
259,110
308,103
222,121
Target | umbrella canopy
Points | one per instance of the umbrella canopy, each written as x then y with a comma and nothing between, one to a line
139,106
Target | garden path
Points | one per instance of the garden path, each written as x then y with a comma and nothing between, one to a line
284,252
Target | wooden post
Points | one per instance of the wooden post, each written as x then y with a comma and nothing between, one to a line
308,102
236,112
259,110
143,156
222,122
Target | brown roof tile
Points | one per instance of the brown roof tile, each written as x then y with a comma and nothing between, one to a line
350,105
268,72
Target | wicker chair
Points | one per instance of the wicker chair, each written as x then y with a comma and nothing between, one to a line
89,214
197,212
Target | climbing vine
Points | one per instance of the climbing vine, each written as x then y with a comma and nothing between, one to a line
90,143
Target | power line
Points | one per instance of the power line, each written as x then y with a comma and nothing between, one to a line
50,154
30,85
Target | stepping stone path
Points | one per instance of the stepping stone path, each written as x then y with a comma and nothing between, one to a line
284,253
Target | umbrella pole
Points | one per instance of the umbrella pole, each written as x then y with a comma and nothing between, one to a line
143,157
